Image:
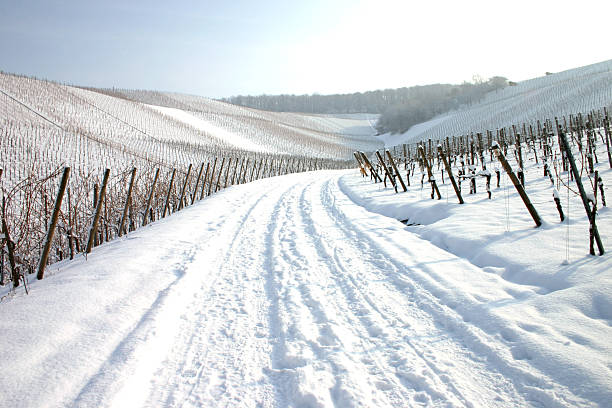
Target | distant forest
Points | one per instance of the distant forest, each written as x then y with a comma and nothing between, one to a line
399,109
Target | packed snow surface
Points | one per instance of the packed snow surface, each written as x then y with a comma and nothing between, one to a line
306,291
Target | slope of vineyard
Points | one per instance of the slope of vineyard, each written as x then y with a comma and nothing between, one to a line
564,93
45,125
278,132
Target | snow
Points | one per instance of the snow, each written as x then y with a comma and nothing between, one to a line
306,291
229,137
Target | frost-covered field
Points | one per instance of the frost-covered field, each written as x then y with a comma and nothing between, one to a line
569,92
306,290
45,124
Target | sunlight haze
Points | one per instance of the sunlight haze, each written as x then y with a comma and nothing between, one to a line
219,49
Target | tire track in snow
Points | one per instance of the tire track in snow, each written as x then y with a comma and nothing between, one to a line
532,389
390,350
415,367
326,335
309,365
221,361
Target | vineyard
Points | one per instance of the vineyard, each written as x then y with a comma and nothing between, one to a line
162,151
137,156
551,165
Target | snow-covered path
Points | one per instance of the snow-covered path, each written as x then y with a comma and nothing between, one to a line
282,292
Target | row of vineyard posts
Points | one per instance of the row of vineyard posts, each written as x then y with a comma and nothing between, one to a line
557,145
43,222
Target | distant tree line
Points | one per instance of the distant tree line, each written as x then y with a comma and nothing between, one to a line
427,102
399,108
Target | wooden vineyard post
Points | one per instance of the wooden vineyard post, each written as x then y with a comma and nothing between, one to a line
243,171
240,172
197,184
10,246
361,165
521,174
234,174
519,188
56,210
229,166
606,123
253,169
262,165
212,178
583,196
203,184
450,174
432,180
372,170
387,172
396,171
94,226
148,206
182,196
563,156
219,175
127,202
167,204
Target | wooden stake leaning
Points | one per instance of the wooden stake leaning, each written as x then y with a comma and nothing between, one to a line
362,169
387,172
212,178
519,188
583,196
94,226
229,166
450,174
396,171
432,180
182,196
167,204
217,185
127,202
606,124
203,184
239,178
56,210
197,184
372,170
243,172
148,206
10,249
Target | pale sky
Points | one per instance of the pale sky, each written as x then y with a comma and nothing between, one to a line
223,48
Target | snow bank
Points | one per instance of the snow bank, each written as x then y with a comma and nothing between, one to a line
557,310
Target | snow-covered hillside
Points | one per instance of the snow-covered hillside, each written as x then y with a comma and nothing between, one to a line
569,92
44,125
